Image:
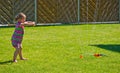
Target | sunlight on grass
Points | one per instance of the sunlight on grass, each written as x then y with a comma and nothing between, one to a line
57,49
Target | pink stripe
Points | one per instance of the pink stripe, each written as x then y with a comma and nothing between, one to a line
18,31
19,37
14,41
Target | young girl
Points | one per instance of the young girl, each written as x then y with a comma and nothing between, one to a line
17,36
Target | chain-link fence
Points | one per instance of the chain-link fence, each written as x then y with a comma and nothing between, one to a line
61,11
9,8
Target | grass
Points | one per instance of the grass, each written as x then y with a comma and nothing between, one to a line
57,49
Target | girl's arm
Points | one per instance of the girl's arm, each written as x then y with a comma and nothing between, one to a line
28,23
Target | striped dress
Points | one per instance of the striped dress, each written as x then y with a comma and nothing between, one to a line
17,36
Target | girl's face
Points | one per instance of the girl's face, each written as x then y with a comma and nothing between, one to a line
23,19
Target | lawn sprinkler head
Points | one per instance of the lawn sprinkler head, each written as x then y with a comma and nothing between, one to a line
98,55
81,56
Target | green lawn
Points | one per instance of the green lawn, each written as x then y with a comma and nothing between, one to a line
57,49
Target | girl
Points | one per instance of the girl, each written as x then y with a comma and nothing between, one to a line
17,36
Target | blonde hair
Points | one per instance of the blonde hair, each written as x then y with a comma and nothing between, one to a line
20,16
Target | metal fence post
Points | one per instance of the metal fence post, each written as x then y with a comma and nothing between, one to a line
36,11
78,11
13,9
119,10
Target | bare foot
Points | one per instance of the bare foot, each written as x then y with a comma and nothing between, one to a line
15,61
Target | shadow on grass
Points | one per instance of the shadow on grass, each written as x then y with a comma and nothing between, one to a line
6,62
111,47
7,27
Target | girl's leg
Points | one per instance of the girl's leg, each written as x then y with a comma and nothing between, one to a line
15,55
20,54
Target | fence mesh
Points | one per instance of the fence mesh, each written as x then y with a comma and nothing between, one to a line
9,8
60,11
99,10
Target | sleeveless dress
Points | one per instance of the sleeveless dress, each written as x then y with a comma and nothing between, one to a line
17,36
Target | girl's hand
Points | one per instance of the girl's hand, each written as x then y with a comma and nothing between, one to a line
33,23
